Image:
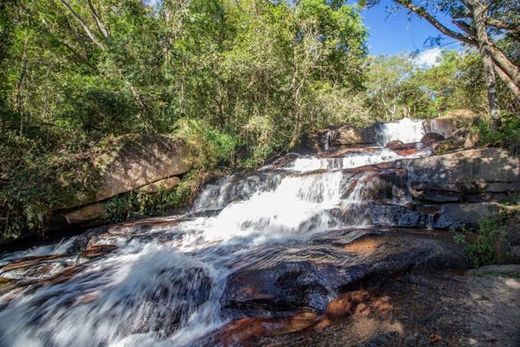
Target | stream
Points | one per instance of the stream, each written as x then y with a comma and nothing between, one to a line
163,285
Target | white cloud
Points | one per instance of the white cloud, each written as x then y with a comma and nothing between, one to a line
428,58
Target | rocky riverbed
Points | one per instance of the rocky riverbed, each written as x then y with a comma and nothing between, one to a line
348,246
473,308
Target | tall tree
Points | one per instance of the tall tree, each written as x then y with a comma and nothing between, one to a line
480,24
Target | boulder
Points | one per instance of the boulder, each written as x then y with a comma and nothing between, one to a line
340,137
348,136
85,214
394,144
166,185
442,126
404,149
430,138
138,161
285,280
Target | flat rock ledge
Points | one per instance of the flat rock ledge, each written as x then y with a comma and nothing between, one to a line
478,308
295,287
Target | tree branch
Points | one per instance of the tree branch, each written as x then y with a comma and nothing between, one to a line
508,81
502,25
422,12
500,59
101,27
83,25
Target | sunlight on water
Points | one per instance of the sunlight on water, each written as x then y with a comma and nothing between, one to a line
347,162
165,289
405,130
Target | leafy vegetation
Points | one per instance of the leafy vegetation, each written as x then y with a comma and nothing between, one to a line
484,245
138,203
238,80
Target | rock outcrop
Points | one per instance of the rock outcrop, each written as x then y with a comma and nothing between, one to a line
292,288
140,161
145,163
476,308
288,279
446,191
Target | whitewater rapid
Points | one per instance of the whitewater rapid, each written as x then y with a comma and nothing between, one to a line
163,287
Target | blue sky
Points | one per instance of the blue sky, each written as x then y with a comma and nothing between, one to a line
398,32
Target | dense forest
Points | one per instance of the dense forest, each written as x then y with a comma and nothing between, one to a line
239,80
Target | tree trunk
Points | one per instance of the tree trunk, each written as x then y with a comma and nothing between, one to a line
479,15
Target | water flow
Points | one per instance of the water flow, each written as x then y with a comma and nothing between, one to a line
163,286
405,130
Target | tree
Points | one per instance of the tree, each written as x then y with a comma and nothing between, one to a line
480,24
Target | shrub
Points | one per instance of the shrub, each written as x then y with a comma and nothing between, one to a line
508,135
210,146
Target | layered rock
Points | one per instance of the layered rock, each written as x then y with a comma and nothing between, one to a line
294,288
303,276
145,163
442,192
140,161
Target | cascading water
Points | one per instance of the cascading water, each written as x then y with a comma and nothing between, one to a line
163,286
406,130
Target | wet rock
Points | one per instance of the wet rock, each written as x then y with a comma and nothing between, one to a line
287,279
64,275
343,136
394,144
390,215
446,216
246,331
30,261
217,195
404,149
95,251
431,138
441,126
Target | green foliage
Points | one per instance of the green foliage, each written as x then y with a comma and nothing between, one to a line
482,245
396,87
211,147
237,80
508,135
140,204
483,249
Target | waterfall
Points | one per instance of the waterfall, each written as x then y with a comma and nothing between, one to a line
162,286
405,130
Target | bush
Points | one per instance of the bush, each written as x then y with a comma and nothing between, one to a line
210,146
508,135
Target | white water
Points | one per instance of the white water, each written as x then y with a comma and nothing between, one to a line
352,160
165,290
405,130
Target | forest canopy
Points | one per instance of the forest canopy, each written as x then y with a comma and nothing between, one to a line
246,79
